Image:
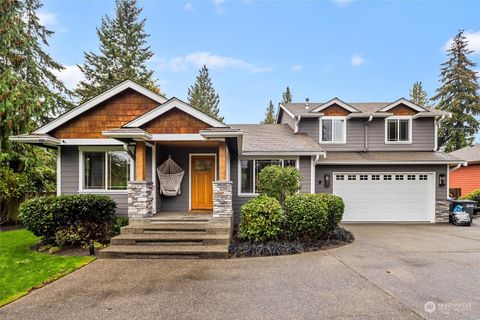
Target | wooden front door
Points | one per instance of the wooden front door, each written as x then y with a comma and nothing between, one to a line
202,176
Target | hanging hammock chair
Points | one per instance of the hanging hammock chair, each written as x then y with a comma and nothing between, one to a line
170,175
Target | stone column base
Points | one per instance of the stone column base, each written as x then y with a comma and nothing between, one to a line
140,199
222,199
442,211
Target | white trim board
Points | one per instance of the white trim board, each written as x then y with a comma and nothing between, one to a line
169,105
404,101
127,84
341,103
190,174
320,131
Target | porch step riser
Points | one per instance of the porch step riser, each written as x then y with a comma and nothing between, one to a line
184,242
137,230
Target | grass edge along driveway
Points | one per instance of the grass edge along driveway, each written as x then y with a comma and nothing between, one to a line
22,269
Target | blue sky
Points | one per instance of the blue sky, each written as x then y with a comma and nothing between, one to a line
355,50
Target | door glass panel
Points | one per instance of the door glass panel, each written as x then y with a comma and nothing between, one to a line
203,165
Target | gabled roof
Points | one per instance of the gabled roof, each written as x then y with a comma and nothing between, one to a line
124,85
336,101
169,105
404,101
471,154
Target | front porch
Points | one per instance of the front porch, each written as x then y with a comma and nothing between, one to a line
205,188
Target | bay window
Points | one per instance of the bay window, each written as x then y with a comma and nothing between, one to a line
332,130
398,130
105,170
250,169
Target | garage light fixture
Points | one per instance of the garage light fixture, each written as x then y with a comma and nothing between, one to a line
442,180
326,178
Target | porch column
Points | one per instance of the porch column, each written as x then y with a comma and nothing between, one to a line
222,189
140,192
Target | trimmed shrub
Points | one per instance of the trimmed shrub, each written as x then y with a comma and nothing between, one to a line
278,182
261,219
475,196
45,216
313,216
117,225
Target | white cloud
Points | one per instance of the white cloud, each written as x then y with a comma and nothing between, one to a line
357,60
47,18
189,7
70,75
473,38
296,68
218,2
219,6
342,3
199,58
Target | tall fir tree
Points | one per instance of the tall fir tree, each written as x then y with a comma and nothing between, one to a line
287,95
459,95
202,95
270,114
418,95
31,93
123,53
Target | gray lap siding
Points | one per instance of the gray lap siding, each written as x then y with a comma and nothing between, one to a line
70,179
423,133
322,170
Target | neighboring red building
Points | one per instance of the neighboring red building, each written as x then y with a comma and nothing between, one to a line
466,178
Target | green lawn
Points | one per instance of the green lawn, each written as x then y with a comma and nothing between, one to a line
22,269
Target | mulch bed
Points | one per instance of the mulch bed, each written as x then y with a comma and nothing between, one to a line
66,251
239,248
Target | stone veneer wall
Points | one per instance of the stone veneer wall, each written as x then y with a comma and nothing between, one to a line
140,199
442,211
222,199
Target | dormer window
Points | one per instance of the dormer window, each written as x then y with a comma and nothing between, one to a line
333,129
398,130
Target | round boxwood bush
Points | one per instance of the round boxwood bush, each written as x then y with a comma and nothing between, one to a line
313,216
46,216
261,219
278,182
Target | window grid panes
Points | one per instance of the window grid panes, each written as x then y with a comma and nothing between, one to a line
352,177
422,177
340,177
398,130
411,177
363,177
250,169
333,130
375,177
399,177
106,170
387,177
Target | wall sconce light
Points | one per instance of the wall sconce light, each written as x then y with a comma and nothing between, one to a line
327,180
442,180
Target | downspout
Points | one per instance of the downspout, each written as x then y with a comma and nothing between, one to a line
464,164
125,147
365,133
435,143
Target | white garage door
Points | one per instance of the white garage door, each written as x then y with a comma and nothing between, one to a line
390,196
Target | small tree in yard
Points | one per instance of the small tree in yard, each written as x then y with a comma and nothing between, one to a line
270,114
278,182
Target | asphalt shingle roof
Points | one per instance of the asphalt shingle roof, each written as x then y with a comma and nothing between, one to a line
469,154
389,156
275,138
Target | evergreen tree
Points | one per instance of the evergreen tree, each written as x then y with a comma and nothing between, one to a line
123,53
270,114
30,92
287,96
458,95
418,95
202,95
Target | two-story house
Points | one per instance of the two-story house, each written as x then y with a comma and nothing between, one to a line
382,158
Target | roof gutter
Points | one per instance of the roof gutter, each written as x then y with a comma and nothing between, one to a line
458,166
387,162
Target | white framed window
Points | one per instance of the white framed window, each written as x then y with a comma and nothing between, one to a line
333,129
387,177
352,177
399,177
104,170
249,169
363,177
375,177
423,177
398,130
339,177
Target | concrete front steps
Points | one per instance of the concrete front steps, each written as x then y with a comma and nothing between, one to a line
172,237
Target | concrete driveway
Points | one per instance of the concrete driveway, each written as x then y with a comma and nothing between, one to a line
389,272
